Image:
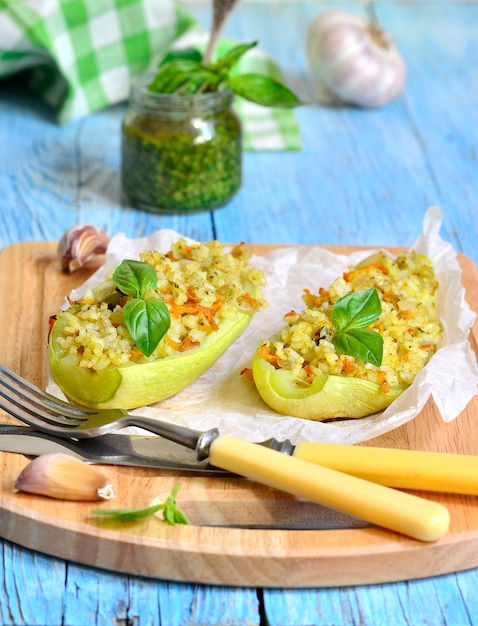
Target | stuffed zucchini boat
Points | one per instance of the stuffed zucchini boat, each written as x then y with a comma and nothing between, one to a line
154,326
357,345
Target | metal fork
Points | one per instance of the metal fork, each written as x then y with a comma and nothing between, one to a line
48,414
417,517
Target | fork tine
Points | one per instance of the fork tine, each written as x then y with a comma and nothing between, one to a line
27,403
32,416
23,388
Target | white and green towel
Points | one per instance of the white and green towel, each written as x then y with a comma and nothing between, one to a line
80,57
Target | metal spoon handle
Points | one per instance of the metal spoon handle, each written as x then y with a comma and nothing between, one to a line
221,11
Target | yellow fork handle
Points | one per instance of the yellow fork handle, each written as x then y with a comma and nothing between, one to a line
395,510
406,469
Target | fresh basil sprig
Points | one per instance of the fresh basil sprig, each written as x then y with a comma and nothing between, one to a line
147,319
183,72
171,512
351,314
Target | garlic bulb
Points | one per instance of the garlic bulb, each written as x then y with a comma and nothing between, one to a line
353,60
79,245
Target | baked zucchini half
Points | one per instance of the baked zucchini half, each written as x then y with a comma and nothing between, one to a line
357,345
154,326
132,386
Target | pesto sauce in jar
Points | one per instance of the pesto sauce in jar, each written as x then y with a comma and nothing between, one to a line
180,153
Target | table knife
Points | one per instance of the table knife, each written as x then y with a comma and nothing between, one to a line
405,469
417,517
155,452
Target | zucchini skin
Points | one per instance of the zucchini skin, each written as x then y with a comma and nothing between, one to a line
328,397
141,384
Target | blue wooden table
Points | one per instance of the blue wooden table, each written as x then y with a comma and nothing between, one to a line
363,177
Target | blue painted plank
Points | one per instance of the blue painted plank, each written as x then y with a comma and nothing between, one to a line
31,587
436,601
349,171
200,604
364,177
96,597
441,96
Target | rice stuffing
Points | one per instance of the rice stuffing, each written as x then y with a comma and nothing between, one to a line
201,284
409,324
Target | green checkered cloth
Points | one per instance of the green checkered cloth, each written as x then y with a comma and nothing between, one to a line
80,57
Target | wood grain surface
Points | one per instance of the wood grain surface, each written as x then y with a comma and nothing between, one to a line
30,273
363,178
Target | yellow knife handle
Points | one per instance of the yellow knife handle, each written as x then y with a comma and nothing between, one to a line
406,469
395,510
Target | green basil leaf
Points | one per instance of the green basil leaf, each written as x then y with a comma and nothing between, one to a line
231,57
173,75
200,81
126,515
147,322
263,90
356,310
133,278
361,344
171,513
186,54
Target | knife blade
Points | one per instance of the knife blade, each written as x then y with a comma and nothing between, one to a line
156,452
372,502
129,450
405,469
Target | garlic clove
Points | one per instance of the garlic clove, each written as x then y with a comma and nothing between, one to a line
80,244
353,61
64,477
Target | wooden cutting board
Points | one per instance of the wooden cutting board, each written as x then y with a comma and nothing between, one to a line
33,288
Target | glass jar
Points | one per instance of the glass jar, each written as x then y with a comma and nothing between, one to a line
180,153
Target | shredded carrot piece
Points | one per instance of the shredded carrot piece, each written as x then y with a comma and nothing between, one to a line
391,297
136,353
403,357
187,344
384,386
348,276
265,353
247,374
312,300
348,366
216,306
290,314
309,372
238,250
170,256
406,315
171,343
51,321
187,250
248,299
192,297
428,346
194,309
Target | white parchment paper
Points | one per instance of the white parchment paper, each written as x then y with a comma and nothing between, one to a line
222,398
